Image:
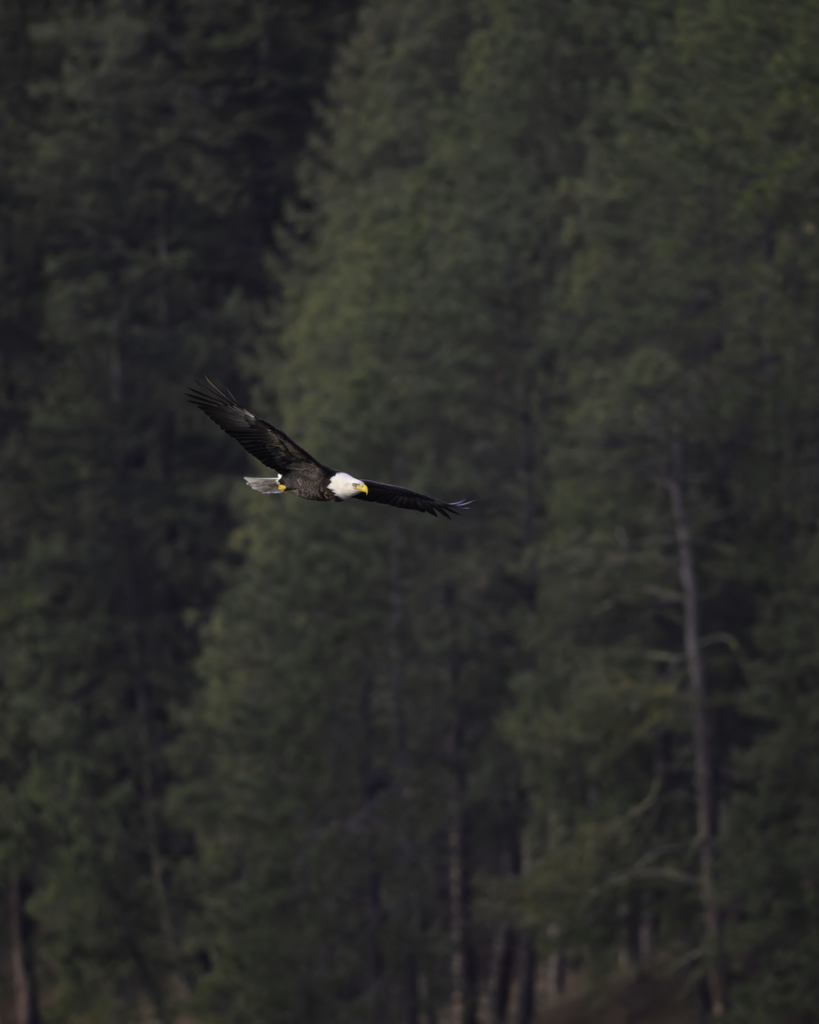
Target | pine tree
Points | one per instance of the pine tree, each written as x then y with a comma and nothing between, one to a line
22,359
677,310
371,648
155,201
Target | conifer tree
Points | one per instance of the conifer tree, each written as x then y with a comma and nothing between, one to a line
155,199
412,351
22,360
557,258
675,247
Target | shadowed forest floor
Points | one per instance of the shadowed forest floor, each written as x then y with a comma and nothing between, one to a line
634,1001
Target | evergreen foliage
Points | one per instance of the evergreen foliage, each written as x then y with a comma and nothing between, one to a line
279,761
151,148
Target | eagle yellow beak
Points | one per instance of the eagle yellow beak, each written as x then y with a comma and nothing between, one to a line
363,488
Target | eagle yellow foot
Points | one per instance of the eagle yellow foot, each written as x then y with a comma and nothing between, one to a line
266,484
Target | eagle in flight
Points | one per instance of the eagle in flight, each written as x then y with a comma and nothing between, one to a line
297,472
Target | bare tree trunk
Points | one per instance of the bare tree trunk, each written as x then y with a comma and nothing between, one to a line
22,1002
500,976
527,954
457,909
554,967
526,993
406,856
463,1002
411,989
623,937
645,928
376,960
148,787
555,964
699,729
367,783
136,662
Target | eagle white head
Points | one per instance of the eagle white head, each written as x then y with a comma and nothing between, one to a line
345,486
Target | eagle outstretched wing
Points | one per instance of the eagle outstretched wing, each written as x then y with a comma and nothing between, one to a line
308,477
403,497
267,443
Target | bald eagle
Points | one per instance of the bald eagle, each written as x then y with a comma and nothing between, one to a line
298,472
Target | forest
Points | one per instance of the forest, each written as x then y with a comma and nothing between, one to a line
269,761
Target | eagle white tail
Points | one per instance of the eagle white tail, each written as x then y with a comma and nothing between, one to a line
265,484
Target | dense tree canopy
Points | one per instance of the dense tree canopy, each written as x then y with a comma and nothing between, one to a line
280,761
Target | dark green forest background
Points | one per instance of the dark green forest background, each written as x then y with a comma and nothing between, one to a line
274,761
